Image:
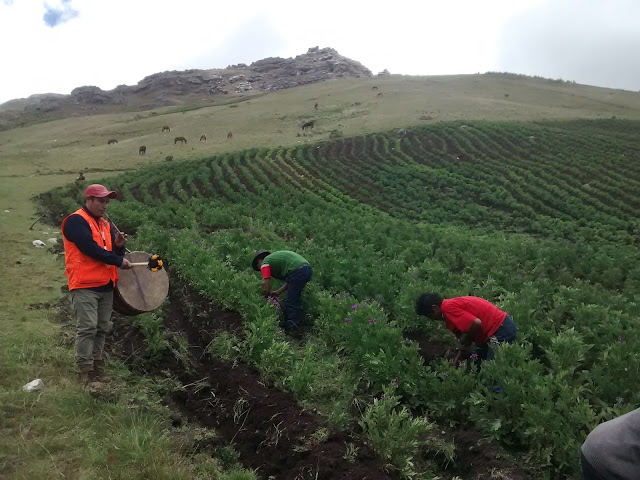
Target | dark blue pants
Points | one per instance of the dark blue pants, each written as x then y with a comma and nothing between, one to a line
505,334
296,281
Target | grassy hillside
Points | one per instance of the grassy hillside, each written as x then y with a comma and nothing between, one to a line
540,217
349,106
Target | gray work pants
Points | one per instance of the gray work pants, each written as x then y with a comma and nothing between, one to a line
93,322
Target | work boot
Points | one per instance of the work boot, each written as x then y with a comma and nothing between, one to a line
85,375
98,372
292,330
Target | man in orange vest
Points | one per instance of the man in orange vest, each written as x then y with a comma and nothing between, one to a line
93,253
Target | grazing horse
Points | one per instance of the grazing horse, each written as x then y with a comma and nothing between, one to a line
229,135
179,139
142,150
308,124
112,140
203,138
316,106
166,128
80,176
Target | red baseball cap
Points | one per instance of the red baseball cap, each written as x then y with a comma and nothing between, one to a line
97,190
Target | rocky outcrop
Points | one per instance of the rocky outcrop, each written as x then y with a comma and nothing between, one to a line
314,66
96,96
184,87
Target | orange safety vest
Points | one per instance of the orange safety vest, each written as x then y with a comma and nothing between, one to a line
82,270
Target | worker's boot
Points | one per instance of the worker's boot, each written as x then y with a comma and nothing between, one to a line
292,330
85,375
98,372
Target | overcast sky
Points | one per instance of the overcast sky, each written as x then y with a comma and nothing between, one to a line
57,45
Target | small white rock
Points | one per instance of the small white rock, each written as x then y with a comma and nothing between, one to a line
38,243
33,386
52,240
7,211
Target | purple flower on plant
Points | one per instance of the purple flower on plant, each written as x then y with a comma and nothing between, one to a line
388,324
347,320
445,375
347,294
473,356
395,379
355,307
166,331
371,320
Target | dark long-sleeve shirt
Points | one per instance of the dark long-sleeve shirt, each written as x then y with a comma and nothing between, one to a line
77,230
613,447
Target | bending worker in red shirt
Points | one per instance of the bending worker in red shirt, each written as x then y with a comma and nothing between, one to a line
93,253
295,271
471,320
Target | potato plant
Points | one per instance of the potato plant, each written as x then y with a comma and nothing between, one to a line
541,219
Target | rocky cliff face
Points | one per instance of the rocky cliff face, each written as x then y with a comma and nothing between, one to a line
178,88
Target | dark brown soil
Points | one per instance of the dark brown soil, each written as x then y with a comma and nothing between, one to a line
430,349
267,427
154,190
478,459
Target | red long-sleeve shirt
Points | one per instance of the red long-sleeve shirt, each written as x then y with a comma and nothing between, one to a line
460,312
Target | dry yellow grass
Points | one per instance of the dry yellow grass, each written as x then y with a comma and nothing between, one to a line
348,105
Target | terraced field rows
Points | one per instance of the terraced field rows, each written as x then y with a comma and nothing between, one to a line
540,218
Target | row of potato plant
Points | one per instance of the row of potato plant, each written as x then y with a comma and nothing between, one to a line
575,304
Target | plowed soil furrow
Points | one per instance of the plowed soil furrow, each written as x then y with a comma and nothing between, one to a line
269,429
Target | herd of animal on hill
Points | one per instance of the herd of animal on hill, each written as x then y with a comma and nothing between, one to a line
166,128
203,138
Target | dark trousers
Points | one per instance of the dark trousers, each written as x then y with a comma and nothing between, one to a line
296,281
588,471
505,334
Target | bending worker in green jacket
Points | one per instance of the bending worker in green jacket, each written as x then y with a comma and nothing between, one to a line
291,268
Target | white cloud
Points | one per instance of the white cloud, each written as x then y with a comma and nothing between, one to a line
589,42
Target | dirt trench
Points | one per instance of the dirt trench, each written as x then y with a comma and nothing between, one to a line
266,426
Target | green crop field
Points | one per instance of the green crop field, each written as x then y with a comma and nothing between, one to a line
538,214
541,218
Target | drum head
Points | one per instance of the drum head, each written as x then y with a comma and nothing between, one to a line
139,289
